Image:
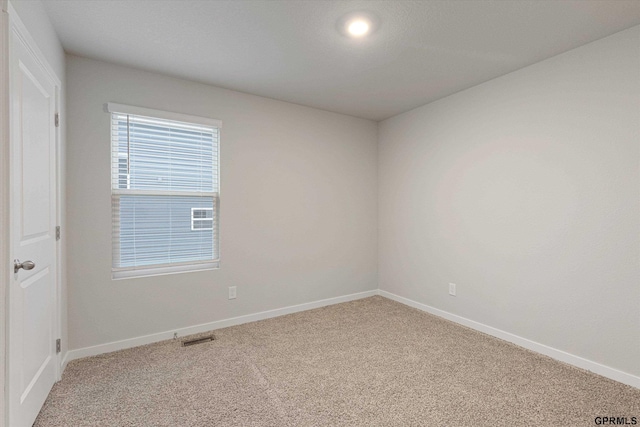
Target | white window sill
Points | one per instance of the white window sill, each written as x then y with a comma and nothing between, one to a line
162,271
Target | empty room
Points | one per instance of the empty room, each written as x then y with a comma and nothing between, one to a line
319,213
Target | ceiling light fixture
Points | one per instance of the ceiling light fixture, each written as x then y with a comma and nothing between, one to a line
358,27
358,24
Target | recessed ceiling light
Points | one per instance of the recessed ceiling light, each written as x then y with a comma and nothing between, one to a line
358,24
358,27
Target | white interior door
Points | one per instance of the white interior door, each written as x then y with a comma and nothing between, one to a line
33,364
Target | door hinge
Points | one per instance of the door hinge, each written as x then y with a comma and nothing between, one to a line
57,119
57,232
58,346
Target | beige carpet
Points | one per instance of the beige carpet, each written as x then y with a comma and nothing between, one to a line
371,362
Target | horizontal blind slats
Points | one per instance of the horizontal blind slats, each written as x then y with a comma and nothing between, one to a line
163,173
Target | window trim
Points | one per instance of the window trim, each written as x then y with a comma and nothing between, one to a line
112,107
118,273
163,269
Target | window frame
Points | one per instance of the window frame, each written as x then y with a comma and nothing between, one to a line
194,219
178,267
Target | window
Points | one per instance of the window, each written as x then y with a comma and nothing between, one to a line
164,191
201,219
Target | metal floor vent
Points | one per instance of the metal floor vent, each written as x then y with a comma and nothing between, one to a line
198,341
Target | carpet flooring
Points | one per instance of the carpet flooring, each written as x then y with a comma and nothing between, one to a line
370,362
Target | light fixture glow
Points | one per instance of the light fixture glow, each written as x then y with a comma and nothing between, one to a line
358,27
358,24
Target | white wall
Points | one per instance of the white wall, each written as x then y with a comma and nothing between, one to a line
524,192
298,207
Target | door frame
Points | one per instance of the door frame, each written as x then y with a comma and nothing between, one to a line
12,26
4,207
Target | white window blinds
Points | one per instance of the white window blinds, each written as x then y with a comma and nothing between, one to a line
164,192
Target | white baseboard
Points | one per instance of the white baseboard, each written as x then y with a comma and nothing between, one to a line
161,336
65,361
560,355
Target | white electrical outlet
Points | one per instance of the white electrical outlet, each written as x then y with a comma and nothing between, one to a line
232,292
452,289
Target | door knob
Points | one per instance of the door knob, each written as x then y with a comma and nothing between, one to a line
27,265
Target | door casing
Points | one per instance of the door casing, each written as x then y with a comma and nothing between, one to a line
4,204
